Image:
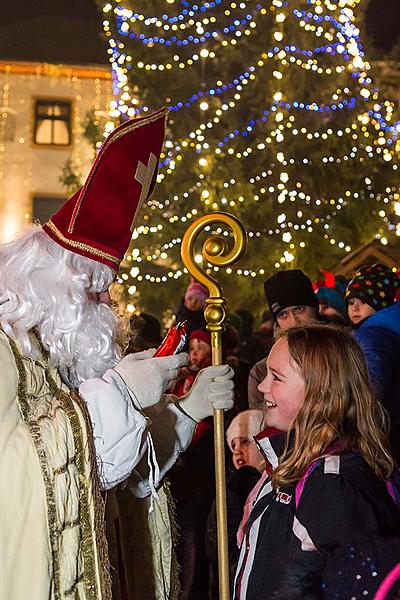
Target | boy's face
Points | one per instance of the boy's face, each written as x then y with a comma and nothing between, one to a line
245,453
358,310
199,352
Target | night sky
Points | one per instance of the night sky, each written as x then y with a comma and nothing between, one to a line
59,31
69,31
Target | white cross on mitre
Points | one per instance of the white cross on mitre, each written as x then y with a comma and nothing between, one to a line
144,175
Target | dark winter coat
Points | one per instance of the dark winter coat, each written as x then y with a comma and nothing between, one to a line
379,337
239,486
342,500
194,319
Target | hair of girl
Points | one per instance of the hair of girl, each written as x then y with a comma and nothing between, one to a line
339,405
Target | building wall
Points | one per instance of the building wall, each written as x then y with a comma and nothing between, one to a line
26,169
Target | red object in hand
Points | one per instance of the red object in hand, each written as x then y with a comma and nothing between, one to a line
174,341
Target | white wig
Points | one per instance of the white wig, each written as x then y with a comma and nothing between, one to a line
46,287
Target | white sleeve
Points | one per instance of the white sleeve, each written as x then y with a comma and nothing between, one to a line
171,432
120,431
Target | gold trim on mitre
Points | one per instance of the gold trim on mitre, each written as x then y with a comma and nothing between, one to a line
81,245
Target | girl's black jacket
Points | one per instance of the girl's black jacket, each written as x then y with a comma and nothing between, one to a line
342,500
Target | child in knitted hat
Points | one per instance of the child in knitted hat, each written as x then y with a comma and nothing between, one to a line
199,358
240,439
330,292
373,288
191,308
196,296
249,465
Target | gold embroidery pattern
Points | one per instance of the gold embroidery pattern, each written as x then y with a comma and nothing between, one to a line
64,468
47,478
73,586
99,505
97,581
81,246
88,547
68,525
175,589
113,137
94,540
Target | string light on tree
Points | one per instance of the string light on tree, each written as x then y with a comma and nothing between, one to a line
287,140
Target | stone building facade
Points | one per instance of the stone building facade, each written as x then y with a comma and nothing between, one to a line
42,111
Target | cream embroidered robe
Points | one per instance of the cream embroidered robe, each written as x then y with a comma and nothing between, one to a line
51,525
52,544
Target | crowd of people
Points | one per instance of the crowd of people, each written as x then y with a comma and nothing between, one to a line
107,461
330,345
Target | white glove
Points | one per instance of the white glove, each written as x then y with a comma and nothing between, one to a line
212,388
149,378
143,354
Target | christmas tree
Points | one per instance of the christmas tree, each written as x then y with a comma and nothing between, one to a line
273,118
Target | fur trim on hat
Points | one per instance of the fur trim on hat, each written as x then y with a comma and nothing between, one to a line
246,424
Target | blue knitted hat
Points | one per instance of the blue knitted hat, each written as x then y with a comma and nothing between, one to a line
331,291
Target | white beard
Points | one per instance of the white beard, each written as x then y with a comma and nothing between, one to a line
89,347
47,288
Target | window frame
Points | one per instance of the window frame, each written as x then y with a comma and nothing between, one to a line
52,101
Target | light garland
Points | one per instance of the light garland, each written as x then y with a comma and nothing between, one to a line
370,134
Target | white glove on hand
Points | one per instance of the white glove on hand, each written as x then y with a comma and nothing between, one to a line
149,378
143,354
212,388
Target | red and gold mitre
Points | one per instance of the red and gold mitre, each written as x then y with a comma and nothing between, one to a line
98,220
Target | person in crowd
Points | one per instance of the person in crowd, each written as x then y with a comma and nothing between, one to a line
144,333
330,292
265,332
241,368
240,439
58,334
251,347
370,297
330,467
199,358
191,308
292,301
248,464
373,288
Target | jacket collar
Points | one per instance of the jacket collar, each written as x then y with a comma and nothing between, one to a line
271,443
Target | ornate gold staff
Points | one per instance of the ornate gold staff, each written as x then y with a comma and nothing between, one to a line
215,251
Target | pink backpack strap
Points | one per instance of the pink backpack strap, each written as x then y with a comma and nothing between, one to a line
388,583
331,465
300,484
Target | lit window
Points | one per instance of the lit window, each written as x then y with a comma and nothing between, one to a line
52,123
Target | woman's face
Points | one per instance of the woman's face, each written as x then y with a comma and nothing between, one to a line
283,388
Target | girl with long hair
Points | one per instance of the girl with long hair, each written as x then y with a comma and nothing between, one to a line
326,436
